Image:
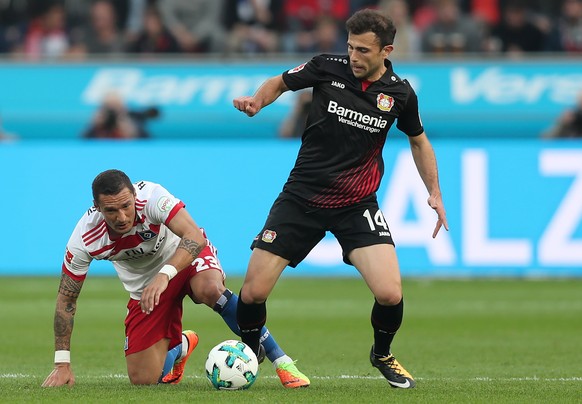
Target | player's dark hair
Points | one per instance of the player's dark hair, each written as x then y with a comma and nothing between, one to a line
110,182
368,20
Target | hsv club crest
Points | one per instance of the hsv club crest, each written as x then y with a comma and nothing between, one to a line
384,102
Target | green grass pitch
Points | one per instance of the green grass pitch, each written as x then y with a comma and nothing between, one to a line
465,341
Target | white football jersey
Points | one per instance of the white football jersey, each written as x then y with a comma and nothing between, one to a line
138,255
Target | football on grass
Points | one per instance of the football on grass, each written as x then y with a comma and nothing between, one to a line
232,365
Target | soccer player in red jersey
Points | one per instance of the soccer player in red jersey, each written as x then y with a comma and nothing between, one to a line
160,256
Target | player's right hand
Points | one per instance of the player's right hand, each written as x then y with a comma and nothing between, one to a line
247,104
150,297
61,375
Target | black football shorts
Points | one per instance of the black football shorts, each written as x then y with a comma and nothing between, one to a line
293,228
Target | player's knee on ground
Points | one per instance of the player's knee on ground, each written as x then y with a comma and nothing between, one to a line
140,376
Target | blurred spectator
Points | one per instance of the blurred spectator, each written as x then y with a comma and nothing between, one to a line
567,33
77,14
407,40
13,11
569,123
102,36
13,19
486,11
328,36
134,18
516,33
253,25
302,17
46,36
196,24
294,125
129,16
356,5
452,32
424,14
155,36
114,121
11,38
325,37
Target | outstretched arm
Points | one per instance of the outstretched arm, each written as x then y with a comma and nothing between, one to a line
191,244
66,307
425,160
268,92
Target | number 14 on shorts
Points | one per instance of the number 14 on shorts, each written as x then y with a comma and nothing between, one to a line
376,220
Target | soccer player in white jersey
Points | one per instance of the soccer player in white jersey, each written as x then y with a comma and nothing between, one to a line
161,256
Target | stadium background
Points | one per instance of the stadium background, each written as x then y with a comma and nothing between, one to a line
513,199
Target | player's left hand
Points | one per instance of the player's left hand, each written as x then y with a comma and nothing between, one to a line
436,202
150,296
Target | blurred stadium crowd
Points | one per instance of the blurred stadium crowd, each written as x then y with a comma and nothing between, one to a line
79,29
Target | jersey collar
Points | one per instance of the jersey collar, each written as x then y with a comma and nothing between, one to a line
387,76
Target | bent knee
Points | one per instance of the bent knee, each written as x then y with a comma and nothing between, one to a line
208,292
139,377
253,294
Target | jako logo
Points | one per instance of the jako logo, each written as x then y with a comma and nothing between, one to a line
339,85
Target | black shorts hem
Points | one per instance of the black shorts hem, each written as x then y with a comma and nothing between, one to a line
265,247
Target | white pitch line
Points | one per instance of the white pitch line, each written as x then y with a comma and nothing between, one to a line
356,377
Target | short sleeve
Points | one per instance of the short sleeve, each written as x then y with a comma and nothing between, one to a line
409,120
303,76
161,205
77,259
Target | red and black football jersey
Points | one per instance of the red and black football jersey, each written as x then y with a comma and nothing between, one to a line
340,159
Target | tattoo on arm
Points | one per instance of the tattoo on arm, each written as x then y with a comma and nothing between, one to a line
63,330
69,290
191,246
69,287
